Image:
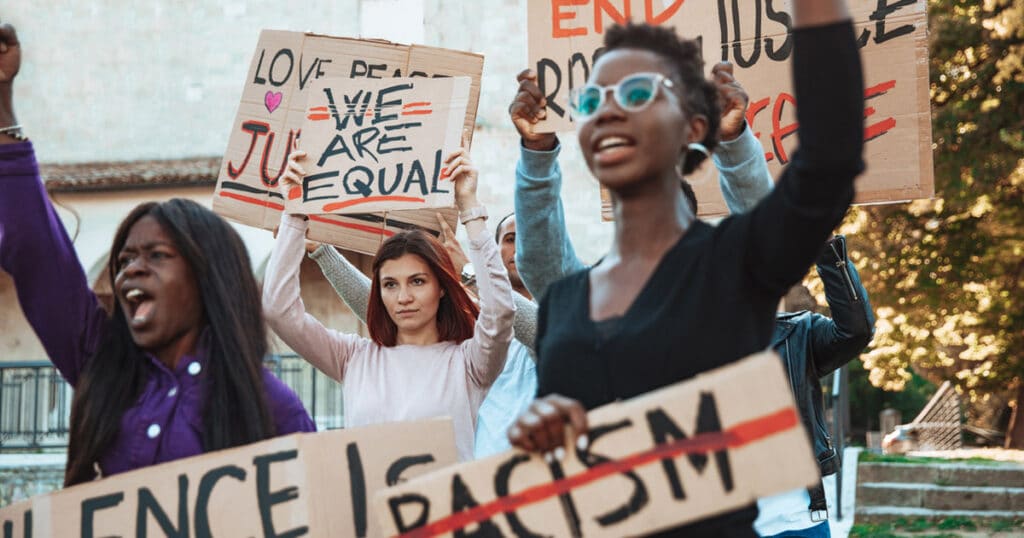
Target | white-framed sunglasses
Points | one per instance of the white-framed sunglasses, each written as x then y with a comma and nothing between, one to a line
633,94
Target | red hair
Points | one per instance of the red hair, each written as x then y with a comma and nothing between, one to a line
456,313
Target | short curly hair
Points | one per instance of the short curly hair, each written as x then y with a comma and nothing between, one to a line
699,95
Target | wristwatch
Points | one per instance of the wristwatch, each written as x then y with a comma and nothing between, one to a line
473,213
468,274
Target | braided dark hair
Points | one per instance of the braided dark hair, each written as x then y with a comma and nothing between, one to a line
699,95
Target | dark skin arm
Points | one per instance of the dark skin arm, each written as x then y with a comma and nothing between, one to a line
10,63
542,428
527,109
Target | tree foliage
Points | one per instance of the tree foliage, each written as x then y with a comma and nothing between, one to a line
946,276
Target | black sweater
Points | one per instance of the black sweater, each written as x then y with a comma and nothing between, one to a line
712,298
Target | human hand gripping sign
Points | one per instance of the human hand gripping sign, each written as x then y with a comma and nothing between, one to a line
732,99
527,110
546,425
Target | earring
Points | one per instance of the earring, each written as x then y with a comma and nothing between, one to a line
698,147
690,148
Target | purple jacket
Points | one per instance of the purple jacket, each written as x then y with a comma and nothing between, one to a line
166,423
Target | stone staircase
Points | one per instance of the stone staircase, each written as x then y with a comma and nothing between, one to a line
982,492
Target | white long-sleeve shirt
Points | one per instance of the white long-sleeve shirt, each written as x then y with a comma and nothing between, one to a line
403,382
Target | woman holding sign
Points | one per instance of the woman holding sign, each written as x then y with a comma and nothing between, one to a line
675,296
431,352
175,369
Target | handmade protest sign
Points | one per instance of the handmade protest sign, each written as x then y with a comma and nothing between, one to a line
379,144
756,36
698,448
16,520
309,485
272,111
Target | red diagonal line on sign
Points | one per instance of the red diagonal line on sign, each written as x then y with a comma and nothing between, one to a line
416,104
349,203
353,226
737,436
880,88
417,112
251,200
879,129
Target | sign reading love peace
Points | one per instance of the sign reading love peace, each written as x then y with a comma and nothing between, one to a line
270,119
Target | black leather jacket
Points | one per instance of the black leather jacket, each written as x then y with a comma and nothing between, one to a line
812,345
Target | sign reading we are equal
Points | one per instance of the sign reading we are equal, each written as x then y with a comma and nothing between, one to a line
379,144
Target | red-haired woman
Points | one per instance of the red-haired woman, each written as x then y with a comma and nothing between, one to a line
430,352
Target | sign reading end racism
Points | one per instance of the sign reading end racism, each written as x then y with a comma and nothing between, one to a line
309,485
379,144
692,450
284,70
756,37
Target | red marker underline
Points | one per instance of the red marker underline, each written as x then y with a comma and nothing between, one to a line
328,208
737,436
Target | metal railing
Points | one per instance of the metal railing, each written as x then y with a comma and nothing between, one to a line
320,394
35,401
839,408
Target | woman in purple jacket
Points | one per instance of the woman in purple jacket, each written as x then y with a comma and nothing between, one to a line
175,369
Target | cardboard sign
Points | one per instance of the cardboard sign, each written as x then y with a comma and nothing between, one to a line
16,520
272,111
755,35
379,144
315,485
705,446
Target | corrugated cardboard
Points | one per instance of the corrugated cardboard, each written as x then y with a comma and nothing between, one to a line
315,485
705,446
270,116
564,36
379,144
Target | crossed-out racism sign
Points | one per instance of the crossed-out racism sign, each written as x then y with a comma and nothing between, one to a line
290,67
705,446
701,447
756,36
311,485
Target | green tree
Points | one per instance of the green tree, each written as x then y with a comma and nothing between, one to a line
946,276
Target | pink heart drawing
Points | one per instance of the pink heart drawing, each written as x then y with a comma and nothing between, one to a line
272,100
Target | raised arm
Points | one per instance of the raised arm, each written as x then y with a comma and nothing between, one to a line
525,324
841,338
328,350
34,247
486,351
544,252
786,230
348,282
743,174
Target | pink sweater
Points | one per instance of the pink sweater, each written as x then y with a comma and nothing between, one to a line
405,382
